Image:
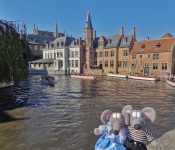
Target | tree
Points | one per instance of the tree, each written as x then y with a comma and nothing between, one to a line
14,52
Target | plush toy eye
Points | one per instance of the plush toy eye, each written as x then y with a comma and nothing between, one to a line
138,114
134,114
118,115
114,115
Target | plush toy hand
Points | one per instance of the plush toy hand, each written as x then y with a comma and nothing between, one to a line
97,131
154,143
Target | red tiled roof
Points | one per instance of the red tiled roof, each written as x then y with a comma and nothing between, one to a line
166,35
150,46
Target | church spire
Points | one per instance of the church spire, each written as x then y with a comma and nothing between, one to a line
34,29
56,30
88,21
122,31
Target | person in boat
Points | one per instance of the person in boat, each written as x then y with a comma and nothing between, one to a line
46,77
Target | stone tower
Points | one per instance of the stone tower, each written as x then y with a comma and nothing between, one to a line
89,42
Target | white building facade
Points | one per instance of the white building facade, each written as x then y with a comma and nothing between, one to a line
62,56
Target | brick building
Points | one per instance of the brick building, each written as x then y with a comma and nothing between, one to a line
106,52
39,39
153,57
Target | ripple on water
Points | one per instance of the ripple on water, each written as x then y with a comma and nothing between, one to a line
64,116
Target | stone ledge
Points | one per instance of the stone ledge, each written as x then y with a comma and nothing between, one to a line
165,142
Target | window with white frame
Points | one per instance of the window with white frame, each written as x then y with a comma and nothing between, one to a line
164,66
125,53
155,66
106,53
106,63
124,64
76,63
155,56
76,54
112,53
111,63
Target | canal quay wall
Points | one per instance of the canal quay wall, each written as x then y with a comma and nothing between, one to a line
165,142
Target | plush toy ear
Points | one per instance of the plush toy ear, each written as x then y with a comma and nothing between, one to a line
127,109
105,116
149,114
126,113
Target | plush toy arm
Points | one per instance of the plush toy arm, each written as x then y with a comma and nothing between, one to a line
123,135
100,130
150,137
154,143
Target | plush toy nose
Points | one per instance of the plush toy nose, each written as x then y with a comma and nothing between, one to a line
137,127
116,132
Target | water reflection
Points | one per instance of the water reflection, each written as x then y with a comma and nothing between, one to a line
64,116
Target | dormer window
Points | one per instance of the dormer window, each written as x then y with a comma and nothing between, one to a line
142,47
73,43
125,39
58,44
62,43
100,43
52,45
109,41
158,46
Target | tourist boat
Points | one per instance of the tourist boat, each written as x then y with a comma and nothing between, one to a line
48,80
116,75
142,78
170,82
82,76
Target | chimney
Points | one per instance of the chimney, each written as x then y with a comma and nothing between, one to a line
94,34
133,32
79,41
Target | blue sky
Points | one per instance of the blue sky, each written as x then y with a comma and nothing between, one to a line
150,17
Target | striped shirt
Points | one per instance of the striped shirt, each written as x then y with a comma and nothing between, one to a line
142,135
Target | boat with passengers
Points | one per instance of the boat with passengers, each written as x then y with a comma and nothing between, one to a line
46,79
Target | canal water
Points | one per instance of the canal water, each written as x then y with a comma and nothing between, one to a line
63,117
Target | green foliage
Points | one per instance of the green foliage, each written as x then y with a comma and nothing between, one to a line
14,54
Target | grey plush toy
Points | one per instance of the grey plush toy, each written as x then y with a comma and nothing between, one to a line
112,133
135,121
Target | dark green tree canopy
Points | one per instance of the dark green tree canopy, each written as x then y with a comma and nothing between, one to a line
14,51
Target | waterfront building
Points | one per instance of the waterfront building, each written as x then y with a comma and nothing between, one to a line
153,57
39,39
62,56
124,51
106,52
